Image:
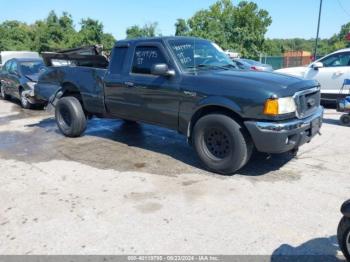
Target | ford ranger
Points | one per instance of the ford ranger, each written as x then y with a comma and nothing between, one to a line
190,85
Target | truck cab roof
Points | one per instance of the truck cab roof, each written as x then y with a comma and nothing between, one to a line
155,39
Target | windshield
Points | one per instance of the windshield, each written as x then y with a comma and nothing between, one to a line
194,54
32,68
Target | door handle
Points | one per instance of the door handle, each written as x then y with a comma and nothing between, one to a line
339,73
129,84
189,93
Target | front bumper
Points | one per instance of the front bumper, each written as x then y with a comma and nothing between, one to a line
32,97
284,136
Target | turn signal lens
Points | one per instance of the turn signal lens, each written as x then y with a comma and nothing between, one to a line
279,106
271,107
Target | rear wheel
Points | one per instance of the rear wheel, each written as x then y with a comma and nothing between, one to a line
3,93
345,120
344,236
70,116
221,143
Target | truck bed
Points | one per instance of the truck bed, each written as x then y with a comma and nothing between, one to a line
63,69
90,84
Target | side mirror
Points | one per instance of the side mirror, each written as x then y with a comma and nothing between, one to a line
317,65
162,70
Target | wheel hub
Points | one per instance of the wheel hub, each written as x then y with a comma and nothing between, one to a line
217,143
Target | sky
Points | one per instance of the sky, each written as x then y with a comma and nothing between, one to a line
291,18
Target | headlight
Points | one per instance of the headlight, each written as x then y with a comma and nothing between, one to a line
31,84
279,106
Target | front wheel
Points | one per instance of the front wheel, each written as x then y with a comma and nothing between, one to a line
3,93
221,143
24,100
344,236
70,117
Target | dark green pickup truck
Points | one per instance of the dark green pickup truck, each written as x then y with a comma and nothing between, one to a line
190,85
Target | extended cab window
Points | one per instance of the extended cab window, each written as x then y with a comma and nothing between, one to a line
117,61
340,59
145,57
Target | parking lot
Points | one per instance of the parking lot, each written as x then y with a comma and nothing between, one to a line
133,188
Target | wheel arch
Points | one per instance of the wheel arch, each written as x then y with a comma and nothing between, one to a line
231,110
69,88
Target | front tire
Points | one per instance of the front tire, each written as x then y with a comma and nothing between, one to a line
24,100
70,117
221,143
344,236
3,93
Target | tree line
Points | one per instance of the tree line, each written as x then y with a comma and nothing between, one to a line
241,28
52,34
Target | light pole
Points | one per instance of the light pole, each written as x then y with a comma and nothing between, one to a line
318,29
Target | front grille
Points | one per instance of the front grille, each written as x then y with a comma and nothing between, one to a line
307,101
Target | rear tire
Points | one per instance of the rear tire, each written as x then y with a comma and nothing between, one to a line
345,120
70,117
3,93
221,143
343,235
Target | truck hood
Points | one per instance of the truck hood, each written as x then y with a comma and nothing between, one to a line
272,83
265,77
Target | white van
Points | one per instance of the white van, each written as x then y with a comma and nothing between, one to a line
7,55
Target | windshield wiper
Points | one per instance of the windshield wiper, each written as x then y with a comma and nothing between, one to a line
204,66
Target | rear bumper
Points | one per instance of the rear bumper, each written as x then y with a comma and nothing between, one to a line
284,136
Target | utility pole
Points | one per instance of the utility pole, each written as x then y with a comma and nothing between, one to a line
318,29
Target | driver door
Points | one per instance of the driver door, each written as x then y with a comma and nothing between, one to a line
336,68
155,99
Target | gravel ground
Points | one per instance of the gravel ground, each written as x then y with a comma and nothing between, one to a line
138,189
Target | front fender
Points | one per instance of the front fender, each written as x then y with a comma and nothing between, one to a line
220,102
212,103
345,209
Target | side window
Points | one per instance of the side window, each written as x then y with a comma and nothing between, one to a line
340,59
145,57
14,67
118,59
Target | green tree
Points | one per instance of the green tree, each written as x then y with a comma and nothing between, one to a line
241,28
15,35
148,30
181,27
54,32
92,33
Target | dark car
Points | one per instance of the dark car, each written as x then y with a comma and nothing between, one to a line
18,78
249,64
190,85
